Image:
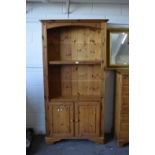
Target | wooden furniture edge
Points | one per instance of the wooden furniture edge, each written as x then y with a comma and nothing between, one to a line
122,142
52,140
64,23
74,20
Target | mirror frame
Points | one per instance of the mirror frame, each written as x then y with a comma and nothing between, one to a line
109,31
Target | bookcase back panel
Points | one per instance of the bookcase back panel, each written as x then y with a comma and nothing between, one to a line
54,81
74,43
81,80
53,44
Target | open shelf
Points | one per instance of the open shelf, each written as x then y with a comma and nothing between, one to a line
74,63
96,62
74,80
74,43
77,98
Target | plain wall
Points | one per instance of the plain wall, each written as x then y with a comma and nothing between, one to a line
116,13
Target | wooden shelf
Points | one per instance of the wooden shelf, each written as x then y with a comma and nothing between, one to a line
77,98
66,62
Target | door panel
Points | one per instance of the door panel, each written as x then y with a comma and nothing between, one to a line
87,119
61,119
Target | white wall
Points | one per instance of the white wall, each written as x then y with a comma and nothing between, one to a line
116,13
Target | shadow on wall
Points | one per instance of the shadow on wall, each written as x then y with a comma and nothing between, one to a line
109,101
30,112
35,116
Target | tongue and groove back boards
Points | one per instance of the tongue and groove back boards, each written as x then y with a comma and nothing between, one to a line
75,44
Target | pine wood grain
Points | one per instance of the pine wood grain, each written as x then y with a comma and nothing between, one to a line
74,59
122,108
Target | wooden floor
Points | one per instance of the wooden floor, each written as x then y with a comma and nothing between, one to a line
76,147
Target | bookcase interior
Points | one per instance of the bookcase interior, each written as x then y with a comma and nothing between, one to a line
74,57
74,80
74,43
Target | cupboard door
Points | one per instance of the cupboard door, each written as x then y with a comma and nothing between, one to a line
61,119
87,119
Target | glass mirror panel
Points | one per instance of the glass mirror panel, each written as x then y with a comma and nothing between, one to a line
119,49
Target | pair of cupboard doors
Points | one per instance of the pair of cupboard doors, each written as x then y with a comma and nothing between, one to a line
74,119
